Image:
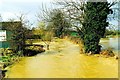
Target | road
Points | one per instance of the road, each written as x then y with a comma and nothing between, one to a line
63,60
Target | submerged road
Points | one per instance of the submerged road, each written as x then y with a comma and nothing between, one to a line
63,60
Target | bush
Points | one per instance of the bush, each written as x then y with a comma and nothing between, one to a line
108,52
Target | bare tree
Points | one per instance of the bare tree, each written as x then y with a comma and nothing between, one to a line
75,10
89,18
55,21
19,31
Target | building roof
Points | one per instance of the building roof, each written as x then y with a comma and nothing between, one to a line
10,25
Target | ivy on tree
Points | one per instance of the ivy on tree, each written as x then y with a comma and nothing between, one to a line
94,25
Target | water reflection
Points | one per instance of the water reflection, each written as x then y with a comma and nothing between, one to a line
111,43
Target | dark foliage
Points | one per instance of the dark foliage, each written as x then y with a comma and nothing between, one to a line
94,25
30,52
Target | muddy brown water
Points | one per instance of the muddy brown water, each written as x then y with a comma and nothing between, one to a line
63,60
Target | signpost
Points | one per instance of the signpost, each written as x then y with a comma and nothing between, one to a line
2,35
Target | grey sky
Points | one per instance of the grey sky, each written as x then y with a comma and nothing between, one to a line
12,8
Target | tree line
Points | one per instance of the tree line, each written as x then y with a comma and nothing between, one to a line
88,18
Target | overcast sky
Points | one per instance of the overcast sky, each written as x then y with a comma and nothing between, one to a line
11,8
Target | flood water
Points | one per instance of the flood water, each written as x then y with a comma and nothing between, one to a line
111,43
63,60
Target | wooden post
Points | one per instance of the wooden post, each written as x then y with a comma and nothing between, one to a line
47,46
